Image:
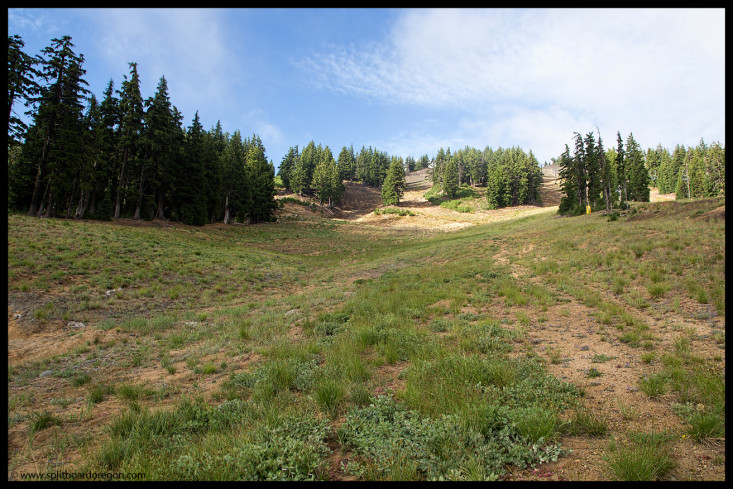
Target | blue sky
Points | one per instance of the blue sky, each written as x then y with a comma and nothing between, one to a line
410,81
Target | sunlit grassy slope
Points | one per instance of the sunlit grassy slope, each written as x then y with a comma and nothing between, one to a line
320,349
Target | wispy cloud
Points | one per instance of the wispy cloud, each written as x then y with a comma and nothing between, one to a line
545,73
187,46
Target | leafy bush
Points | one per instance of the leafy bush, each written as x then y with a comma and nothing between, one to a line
392,443
393,210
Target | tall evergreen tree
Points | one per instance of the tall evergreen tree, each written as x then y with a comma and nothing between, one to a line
131,112
621,170
56,148
287,167
638,176
570,202
21,83
605,174
592,168
261,179
394,183
347,163
303,172
450,177
322,181
190,197
337,185
233,177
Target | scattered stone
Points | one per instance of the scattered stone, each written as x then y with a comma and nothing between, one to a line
112,292
291,312
74,324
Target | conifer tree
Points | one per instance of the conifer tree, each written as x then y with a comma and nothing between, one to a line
347,163
21,83
55,146
131,112
450,177
638,176
190,197
303,172
261,178
394,183
621,170
337,186
321,183
287,167
592,168
605,174
233,177
570,201
439,168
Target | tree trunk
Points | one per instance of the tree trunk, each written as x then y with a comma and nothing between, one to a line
140,194
160,214
42,205
121,185
93,203
226,210
33,210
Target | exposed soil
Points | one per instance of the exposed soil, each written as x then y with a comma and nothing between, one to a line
360,201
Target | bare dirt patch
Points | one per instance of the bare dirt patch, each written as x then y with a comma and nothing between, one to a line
360,201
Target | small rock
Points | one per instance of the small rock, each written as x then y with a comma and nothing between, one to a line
74,324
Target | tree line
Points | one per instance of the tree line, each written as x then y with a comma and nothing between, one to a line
511,176
605,179
124,156
315,171
690,173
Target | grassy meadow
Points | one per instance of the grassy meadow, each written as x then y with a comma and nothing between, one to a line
320,349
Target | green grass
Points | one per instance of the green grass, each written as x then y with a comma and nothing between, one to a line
394,210
412,352
645,457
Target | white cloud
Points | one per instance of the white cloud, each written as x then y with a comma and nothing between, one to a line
187,46
658,73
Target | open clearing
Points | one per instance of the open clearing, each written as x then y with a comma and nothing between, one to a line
110,320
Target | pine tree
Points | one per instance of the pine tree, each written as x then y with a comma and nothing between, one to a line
394,183
21,83
131,112
638,176
233,177
337,186
55,148
287,167
439,168
303,173
606,178
322,182
570,202
715,166
261,177
190,195
347,163
101,205
621,171
592,167
450,178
